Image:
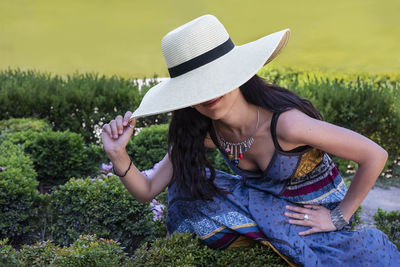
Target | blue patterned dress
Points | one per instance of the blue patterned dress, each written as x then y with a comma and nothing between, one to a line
255,211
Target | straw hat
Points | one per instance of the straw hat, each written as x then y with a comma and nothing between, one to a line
204,64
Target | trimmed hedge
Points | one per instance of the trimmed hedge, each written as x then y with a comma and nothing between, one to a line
99,206
177,250
78,102
58,156
23,124
184,249
87,250
19,197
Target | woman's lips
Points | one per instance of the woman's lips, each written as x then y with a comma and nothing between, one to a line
212,102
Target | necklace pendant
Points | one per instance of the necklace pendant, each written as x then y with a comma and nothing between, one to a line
234,151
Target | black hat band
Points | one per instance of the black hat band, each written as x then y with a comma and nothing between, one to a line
202,59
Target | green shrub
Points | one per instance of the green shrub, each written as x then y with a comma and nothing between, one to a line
177,250
58,156
19,196
8,254
149,146
78,102
99,206
86,251
18,138
23,124
389,223
95,156
184,249
12,157
38,254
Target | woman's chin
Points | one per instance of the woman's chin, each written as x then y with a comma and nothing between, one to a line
212,114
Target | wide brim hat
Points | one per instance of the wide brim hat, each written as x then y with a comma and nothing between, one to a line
204,64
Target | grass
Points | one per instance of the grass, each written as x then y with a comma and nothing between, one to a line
123,37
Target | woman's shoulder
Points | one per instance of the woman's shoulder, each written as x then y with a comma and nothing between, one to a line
291,116
291,120
289,125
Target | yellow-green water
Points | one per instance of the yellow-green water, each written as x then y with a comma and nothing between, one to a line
123,36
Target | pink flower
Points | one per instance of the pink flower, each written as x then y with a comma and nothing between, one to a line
157,209
106,167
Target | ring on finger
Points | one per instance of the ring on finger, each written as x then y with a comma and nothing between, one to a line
131,126
306,217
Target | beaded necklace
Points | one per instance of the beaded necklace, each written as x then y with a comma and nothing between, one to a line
235,150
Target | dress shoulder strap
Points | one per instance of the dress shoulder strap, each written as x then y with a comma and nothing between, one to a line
274,121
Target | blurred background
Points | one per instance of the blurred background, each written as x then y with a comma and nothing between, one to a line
123,37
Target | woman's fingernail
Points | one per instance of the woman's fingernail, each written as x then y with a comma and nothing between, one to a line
120,131
115,136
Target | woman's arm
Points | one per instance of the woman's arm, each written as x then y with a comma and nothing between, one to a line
115,137
295,128
142,188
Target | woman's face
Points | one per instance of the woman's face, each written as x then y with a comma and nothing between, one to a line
218,107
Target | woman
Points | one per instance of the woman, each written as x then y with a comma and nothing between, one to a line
287,193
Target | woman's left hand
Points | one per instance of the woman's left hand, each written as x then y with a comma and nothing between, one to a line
315,216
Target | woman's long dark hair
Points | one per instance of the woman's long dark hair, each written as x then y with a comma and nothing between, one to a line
188,129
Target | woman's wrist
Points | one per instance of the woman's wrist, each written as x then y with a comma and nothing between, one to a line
116,154
121,175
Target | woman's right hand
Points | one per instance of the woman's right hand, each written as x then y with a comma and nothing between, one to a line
117,133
